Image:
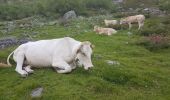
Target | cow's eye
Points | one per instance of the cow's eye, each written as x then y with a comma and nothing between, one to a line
83,54
77,60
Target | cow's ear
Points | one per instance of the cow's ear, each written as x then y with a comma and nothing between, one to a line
88,43
79,48
92,46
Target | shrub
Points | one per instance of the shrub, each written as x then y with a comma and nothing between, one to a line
155,42
48,8
164,5
156,26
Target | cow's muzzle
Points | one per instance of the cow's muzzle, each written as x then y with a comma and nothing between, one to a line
89,67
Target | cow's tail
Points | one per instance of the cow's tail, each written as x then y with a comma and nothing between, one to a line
9,64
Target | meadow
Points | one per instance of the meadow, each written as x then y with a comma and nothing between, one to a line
141,75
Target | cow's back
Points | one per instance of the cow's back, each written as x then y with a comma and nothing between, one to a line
42,53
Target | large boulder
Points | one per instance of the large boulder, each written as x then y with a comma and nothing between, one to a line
153,11
10,26
37,92
69,15
117,1
10,41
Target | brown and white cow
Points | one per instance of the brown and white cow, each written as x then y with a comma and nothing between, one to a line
105,31
110,22
132,19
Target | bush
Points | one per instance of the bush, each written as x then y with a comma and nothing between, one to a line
48,8
156,26
164,5
155,42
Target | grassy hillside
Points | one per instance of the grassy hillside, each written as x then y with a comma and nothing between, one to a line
140,3
141,75
17,9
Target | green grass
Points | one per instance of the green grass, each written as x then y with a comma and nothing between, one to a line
141,75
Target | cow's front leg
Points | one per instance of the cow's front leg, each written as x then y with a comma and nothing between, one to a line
140,25
73,65
28,69
130,26
62,67
19,60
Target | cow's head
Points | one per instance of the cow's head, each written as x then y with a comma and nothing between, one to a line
122,21
95,28
84,53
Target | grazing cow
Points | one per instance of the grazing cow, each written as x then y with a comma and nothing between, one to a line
61,54
132,19
110,22
105,31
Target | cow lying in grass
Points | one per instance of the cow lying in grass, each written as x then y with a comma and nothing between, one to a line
110,22
59,53
105,31
132,19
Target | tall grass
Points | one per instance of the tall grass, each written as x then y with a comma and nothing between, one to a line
20,9
164,5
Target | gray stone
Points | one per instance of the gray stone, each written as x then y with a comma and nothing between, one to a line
126,42
129,33
9,41
53,22
117,1
110,62
153,11
10,26
69,15
37,92
98,56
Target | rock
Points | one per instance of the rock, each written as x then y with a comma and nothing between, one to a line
129,33
153,11
131,9
9,41
34,33
98,56
81,17
10,26
37,92
4,31
110,62
53,22
126,42
69,15
22,41
117,1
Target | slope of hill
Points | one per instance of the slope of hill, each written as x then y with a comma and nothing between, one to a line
129,65
140,74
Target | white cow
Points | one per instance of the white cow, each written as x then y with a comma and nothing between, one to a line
105,31
131,19
59,53
110,22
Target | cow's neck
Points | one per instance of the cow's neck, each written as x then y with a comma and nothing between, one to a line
75,49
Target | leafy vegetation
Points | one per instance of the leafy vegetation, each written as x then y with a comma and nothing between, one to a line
156,42
156,26
164,5
54,8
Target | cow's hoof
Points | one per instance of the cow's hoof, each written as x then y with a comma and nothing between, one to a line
28,70
24,74
31,72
